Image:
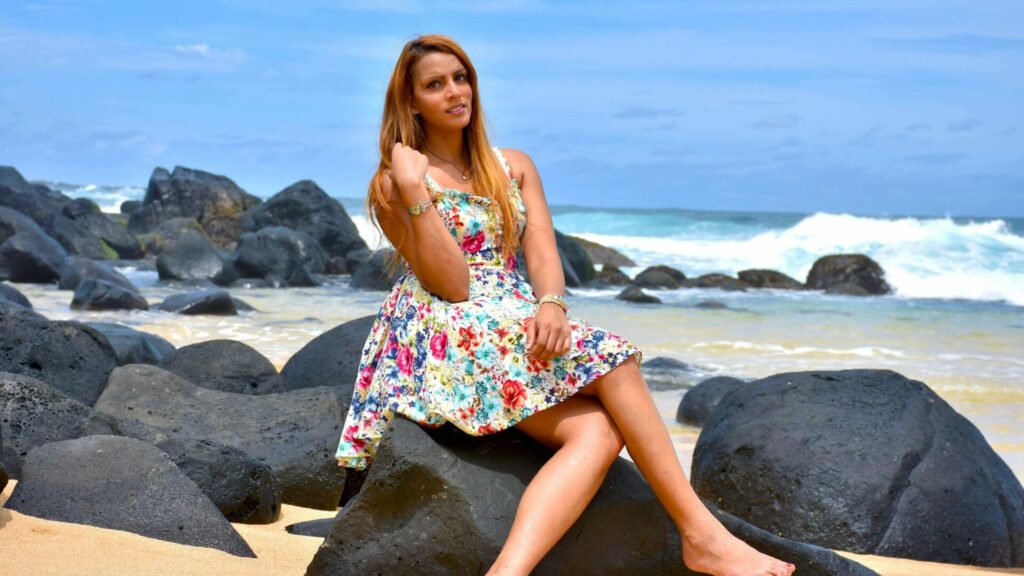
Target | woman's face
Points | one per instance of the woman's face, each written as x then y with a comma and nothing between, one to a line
441,92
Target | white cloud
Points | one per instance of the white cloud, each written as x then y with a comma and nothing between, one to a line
200,49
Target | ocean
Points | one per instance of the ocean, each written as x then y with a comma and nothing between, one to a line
955,321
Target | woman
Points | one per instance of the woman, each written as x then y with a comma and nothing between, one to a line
463,338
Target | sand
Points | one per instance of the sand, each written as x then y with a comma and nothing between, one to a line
34,547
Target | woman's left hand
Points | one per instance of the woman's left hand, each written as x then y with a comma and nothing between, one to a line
548,333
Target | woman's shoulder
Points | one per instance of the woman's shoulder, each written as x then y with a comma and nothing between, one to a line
519,161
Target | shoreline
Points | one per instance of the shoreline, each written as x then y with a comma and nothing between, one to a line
36,547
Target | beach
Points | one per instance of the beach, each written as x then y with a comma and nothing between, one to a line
965,344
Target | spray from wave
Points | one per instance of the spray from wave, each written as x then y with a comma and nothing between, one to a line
922,258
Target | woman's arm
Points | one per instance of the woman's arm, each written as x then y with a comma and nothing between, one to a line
423,240
549,334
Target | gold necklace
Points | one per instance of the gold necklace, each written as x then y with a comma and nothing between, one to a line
461,173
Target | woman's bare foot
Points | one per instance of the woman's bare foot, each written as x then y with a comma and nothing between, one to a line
716,551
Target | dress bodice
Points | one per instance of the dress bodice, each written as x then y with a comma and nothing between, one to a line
473,222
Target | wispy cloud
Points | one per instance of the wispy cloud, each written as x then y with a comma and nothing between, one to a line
966,43
965,125
647,112
783,121
47,49
935,159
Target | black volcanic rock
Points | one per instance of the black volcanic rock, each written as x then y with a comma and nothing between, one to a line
721,281
213,301
82,229
288,254
33,200
305,207
215,201
442,502
32,256
225,365
35,414
699,401
72,357
295,433
123,484
863,460
133,346
756,278
80,268
190,256
858,269
92,294
659,277
579,261
633,293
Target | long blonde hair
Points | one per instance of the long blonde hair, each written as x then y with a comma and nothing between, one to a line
400,125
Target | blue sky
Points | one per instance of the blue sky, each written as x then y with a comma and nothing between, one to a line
867,107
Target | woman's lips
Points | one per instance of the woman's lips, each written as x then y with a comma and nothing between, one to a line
458,109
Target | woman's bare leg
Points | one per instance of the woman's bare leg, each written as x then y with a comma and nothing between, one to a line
707,546
587,443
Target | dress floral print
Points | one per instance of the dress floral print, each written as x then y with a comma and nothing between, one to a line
435,361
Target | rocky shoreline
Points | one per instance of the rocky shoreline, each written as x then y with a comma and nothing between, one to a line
199,437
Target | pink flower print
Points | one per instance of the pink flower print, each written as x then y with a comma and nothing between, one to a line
405,360
365,377
439,345
473,243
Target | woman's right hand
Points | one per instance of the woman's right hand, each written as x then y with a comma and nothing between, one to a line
408,167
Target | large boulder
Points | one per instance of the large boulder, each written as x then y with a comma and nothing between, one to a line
79,269
133,346
659,276
288,254
579,263
12,294
715,280
225,365
295,433
664,373
34,413
699,401
865,275
167,231
33,200
12,222
442,502
633,293
72,357
603,255
83,229
330,359
214,201
191,256
122,484
32,256
758,278
92,294
863,460
611,275
304,206
372,273
212,301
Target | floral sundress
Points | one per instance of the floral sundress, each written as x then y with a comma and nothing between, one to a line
436,361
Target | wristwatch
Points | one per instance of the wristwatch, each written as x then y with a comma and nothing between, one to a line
555,299
420,207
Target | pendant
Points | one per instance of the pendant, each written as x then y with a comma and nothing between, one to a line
464,177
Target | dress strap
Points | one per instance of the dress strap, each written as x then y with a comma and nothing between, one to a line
504,162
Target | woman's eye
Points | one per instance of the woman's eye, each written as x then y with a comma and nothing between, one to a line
460,76
433,84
